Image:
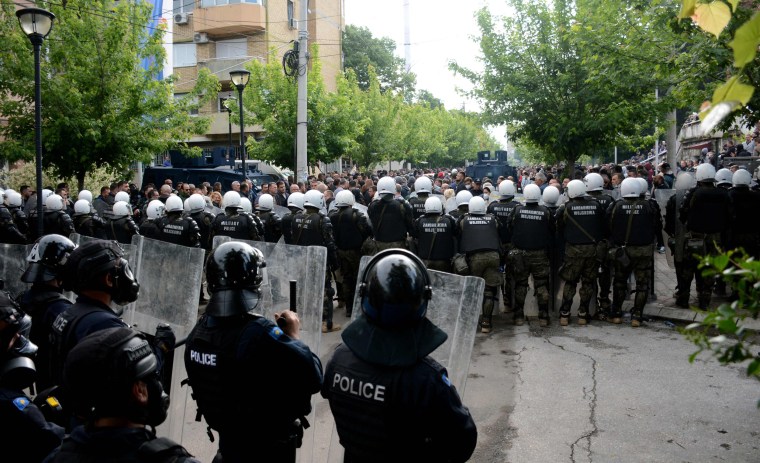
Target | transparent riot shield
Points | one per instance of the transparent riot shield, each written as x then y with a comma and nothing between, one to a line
12,265
663,197
454,308
307,266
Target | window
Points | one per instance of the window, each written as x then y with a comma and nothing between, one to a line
223,97
183,6
234,48
208,3
291,14
184,55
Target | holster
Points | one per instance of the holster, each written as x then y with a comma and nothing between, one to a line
460,265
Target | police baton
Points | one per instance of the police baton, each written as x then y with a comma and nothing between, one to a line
293,303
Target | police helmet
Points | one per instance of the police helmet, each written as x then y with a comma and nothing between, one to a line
234,272
54,203
122,209
186,207
295,200
81,207
433,205
386,186
86,195
550,195
705,173
231,199
742,177
395,289
195,203
594,182
724,177
314,198
477,206
630,188
13,199
174,204
245,204
155,209
47,258
643,185
266,202
90,262
345,199
507,188
121,196
463,198
454,171
576,189
532,193
684,181
101,369
423,185
45,194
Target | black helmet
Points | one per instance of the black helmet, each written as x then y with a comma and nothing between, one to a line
101,369
90,261
395,289
47,258
234,274
17,370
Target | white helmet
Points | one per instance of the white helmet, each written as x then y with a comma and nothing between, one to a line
423,185
477,206
576,189
630,188
195,203
433,205
86,195
81,207
705,173
376,196
507,188
594,182
551,195
266,202
463,198
2,195
186,207
45,194
454,171
54,203
155,209
742,177
532,193
724,177
296,200
684,181
9,191
121,209
231,199
121,196
385,186
314,198
174,204
13,199
643,185
346,198
246,205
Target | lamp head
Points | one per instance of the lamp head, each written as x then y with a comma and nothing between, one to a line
240,78
35,22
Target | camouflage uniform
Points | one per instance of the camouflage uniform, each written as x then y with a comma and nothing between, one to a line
640,264
529,263
580,264
440,265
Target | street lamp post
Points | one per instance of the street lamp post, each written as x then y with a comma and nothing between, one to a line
230,158
240,80
36,24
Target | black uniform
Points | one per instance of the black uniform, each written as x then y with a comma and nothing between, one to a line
436,241
90,225
173,228
257,358
502,209
9,232
287,225
418,204
350,228
149,229
272,225
237,225
479,241
20,219
392,220
205,222
57,222
121,229
24,427
745,223
604,276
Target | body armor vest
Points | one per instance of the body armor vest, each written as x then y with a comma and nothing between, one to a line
531,227
435,237
587,214
418,205
642,225
708,210
346,229
479,233
502,210
307,229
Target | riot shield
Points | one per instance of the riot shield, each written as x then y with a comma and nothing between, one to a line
359,207
662,197
12,266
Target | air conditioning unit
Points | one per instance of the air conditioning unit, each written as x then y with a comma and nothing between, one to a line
200,37
180,18
293,23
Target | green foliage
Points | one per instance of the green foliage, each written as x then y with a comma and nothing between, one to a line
100,108
27,175
733,342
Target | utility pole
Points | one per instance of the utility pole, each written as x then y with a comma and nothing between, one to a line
407,38
301,116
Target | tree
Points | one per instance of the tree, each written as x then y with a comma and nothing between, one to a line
100,107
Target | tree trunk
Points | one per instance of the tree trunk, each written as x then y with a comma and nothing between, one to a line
80,180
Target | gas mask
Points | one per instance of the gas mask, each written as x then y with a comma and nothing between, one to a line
125,287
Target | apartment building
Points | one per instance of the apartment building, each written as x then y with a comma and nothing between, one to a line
223,35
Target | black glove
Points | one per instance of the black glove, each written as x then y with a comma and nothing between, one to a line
164,337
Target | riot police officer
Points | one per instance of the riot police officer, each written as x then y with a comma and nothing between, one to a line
350,228
119,224
113,383
9,232
745,223
236,223
436,238
153,211
502,209
313,229
723,180
550,198
15,203
423,187
633,223
33,219
86,223
532,235
392,219
231,345
478,234
462,200
706,214
56,220
581,222
295,204
407,409
271,221
675,230
175,228
595,188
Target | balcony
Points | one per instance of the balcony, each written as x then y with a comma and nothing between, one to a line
221,67
230,19
220,126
